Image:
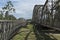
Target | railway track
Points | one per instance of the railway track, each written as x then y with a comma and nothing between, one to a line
51,27
45,33
48,29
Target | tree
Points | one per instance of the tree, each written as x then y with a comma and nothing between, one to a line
8,8
22,19
29,21
11,17
1,15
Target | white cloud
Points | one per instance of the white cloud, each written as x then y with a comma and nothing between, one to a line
24,8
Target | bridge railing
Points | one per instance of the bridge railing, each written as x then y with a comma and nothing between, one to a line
7,28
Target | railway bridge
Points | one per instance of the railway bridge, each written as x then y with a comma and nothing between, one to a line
47,15
46,19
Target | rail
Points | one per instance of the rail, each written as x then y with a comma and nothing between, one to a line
8,27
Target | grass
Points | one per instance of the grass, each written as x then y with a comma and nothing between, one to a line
27,33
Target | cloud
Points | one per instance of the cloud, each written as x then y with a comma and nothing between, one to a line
24,8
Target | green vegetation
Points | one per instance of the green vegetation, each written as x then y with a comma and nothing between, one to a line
27,33
1,15
8,8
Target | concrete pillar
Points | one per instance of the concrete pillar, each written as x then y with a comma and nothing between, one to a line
4,31
0,31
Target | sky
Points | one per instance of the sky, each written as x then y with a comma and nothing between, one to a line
24,8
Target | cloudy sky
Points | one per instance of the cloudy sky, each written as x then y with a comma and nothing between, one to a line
24,8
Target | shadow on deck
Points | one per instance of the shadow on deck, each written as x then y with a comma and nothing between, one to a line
43,33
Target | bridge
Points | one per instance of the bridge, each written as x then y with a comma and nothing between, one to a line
47,15
46,18
8,28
